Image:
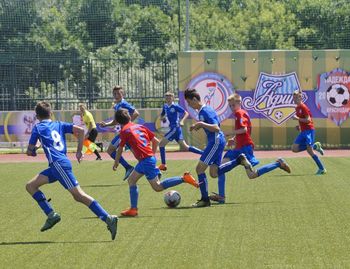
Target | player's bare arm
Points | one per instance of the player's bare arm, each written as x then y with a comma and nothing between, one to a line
79,133
210,127
108,123
182,122
134,115
155,143
117,158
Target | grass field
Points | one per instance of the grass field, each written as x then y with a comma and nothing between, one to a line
278,221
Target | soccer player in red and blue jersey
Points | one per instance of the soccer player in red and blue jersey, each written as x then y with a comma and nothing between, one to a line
306,138
51,135
143,145
243,152
172,112
120,102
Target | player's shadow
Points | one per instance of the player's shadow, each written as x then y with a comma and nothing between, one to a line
101,185
292,175
49,242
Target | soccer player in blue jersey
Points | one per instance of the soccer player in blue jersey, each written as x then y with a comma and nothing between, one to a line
120,102
172,112
212,154
243,152
52,138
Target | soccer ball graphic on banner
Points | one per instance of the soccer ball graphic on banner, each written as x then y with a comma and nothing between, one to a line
172,199
278,114
338,95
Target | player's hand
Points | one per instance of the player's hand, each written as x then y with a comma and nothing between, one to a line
297,127
102,124
79,156
182,123
115,165
295,117
196,126
231,142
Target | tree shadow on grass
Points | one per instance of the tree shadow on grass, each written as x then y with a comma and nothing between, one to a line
49,242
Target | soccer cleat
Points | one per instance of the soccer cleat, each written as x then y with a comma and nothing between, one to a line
52,219
321,172
242,160
162,167
188,178
318,147
128,172
98,159
131,212
112,225
201,203
217,198
284,165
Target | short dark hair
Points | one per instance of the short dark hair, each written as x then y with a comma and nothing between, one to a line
43,110
192,93
121,116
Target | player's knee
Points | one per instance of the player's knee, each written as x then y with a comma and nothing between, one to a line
29,187
77,197
213,174
295,148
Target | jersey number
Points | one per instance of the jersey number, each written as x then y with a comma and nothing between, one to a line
142,137
57,143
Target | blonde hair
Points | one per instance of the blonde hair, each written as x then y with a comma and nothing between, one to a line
235,97
297,92
82,105
169,93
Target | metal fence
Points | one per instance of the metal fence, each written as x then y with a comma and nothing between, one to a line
66,82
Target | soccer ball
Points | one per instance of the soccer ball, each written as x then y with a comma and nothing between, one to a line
172,198
278,114
338,95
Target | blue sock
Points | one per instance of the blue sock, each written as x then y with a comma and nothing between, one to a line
302,147
170,182
195,150
122,161
318,162
267,168
43,203
203,186
134,196
225,167
221,185
162,154
98,210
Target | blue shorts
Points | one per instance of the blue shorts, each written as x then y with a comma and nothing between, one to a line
247,150
305,138
212,154
61,171
148,167
174,133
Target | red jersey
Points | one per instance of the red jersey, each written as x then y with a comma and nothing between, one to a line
138,138
302,112
243,120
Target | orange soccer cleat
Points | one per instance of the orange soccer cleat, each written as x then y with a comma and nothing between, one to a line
131,212
188,178
162,167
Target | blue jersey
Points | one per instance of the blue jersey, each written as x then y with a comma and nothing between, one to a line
173,113
124,104
52,137
208,115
